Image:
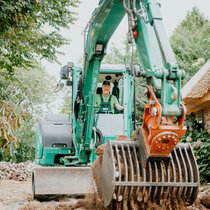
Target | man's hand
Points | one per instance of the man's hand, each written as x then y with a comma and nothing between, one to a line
119,107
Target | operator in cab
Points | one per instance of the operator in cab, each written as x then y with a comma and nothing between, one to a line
105,102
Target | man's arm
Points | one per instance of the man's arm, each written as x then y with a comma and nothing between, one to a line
117,105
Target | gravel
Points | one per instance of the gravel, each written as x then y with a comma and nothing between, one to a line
18,172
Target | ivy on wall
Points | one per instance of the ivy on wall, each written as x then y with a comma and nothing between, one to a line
200,142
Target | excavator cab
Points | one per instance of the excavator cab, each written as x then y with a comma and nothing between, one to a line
114,123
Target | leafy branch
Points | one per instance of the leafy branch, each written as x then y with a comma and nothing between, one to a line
10,120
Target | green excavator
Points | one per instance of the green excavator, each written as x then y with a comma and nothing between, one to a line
139,163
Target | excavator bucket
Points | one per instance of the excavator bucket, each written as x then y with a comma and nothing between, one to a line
62,180
121,178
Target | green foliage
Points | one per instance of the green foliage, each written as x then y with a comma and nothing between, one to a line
22,38
30,90
26,149
121,56
67,104
10,120
190,42
198,138
141,100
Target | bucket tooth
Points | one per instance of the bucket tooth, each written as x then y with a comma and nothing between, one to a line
121,177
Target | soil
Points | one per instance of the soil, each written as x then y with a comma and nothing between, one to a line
15,192
16,195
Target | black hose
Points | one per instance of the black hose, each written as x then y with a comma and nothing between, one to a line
100,137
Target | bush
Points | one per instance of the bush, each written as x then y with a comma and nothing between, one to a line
198,138
26,148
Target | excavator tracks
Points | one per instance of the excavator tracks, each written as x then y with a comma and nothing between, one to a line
122,180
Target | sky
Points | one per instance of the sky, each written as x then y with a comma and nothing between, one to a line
173,12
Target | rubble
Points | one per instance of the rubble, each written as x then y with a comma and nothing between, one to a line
15,192
205,197
18,172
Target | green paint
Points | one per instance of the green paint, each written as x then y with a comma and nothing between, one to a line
49,156
39,145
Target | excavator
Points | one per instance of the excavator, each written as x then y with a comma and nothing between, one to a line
147,165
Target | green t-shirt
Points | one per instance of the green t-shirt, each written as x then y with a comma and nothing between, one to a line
113,101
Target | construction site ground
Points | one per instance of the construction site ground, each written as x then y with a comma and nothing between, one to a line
15,193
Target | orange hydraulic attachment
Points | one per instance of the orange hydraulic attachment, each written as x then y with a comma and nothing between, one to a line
160,133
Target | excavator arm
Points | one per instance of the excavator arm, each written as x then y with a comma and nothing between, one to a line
158,63
154,167
130,174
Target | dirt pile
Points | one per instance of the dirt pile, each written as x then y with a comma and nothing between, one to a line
19,172
15,194
64,203
203,200
92,202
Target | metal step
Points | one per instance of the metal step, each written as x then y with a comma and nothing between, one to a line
62,180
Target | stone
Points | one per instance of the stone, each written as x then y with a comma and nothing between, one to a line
205,200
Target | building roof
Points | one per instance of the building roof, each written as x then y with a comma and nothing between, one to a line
195,93
199,85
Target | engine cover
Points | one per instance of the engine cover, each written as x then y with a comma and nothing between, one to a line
56,131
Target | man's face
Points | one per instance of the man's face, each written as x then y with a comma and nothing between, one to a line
106,89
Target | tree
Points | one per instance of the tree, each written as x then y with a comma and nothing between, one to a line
190,42
30,91
67,103
10,118
121,56
22,38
